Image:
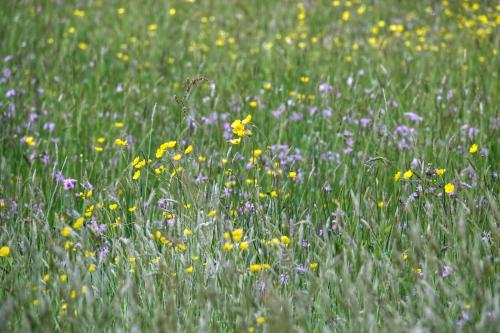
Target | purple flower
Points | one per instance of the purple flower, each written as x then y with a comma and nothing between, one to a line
325,88
6,72
279,111
415,163
446,271
471,132
413,117
296,116
283,278
98,228
327,113
10,93
45,158
364,122
49,126
404,135
103,252
465,318
69,183
301,269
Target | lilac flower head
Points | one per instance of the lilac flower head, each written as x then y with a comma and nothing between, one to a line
98,228
283,279
296,116
49,127
6,72
465,318
470,132
325,88
364,122
69,183
446,271
413,117
59,177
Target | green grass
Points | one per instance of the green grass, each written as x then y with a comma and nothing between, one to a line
335,243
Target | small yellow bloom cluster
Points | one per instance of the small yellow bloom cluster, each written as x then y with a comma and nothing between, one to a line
239,127
163,147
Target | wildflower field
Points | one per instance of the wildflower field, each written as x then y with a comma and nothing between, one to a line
249,166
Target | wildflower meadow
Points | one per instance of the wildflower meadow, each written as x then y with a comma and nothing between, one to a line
249,166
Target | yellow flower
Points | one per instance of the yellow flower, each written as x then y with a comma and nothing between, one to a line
159,170
78,223
118,124
159,153
187,232
131,260
63,277
139,164
261,320
136,175
177,157
255,267
120,11
473,149
313,265
449,188
408,174
237,234
190,269
285,240
152,27
235,141
244,246
29,140
121,142
188,150
253,104
380,204
92,268
212,213
345,16
440,172
79,12
168,144
132,209
4,251
83,46
228,246
172,12
238,126
397,176
113,206
292,175
66,231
